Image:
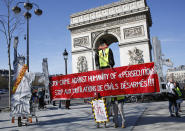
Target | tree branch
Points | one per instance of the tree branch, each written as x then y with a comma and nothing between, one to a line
4,28
2,31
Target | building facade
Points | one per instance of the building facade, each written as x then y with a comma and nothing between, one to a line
177,73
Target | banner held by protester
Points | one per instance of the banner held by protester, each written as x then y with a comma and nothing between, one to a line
133,79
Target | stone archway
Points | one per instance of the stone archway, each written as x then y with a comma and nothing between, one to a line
109,35
126,22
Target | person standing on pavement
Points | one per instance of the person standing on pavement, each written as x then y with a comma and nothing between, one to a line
172,97
118,103
41,99
179,94
68,104
104,59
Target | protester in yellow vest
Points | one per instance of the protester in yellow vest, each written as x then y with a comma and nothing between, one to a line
179,96
104,57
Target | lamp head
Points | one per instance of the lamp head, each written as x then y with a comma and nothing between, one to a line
65,54
28,6
27,15
38,12
16,9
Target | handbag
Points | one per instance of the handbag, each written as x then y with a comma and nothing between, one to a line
178,101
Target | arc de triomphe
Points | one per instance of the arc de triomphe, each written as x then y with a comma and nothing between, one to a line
126,22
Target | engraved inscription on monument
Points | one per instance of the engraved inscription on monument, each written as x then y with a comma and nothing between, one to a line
107,11
133,32
110,24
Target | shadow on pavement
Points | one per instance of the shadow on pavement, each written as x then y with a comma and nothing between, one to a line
63,120
146,120
52,115
9,127
4,120
76,107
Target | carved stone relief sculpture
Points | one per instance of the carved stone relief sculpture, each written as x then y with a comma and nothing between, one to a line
82,64
81,41
133,32
116,31
94,35
136,56
110,10
110,23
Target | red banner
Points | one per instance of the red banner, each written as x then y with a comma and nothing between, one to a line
134,79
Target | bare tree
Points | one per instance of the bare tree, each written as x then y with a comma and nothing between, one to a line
8,24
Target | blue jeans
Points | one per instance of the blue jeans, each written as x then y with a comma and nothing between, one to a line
171,103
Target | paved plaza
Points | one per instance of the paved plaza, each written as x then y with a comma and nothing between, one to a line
139,116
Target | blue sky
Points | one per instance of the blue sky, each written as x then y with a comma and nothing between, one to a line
49,35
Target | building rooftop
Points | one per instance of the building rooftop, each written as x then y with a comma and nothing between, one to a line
179,68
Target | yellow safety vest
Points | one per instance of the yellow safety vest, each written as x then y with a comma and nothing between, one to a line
178,91
104,59
119,98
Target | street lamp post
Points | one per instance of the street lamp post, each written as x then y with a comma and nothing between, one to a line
28,6
65,54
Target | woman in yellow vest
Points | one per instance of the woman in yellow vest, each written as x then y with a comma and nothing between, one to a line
179,95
